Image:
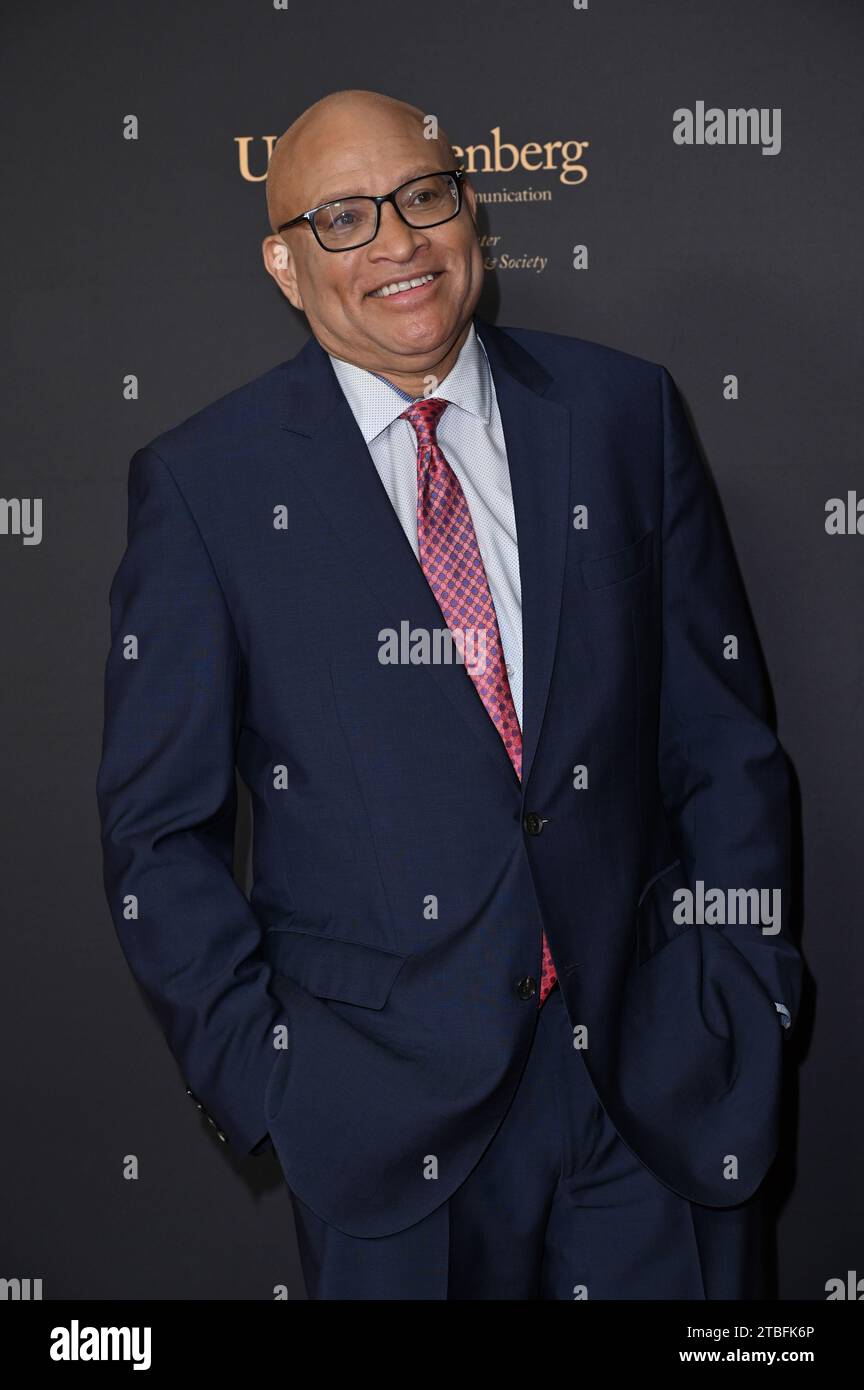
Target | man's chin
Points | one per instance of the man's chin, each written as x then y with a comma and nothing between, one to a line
418,334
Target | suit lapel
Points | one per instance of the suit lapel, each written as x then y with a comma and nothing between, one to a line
537,436
337,468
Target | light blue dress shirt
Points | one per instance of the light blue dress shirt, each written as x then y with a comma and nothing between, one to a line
472,439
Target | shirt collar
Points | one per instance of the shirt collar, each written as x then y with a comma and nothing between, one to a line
376,402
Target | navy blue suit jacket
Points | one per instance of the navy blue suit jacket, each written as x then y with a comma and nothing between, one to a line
263,560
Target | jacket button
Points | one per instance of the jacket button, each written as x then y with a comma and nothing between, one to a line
526,988
533,823
217,1129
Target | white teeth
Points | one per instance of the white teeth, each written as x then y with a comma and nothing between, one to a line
399,285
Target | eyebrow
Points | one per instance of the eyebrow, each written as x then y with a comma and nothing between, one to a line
415,172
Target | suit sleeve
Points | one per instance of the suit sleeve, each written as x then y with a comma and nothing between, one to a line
167,800
724,776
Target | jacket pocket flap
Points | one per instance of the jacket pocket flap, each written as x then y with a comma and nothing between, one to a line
655,910
603,570
333,968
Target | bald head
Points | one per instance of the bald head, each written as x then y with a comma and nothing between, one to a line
303,153
399,303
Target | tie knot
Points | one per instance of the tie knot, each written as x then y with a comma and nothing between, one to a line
424,416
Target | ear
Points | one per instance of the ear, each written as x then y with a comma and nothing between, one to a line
470,198
279,262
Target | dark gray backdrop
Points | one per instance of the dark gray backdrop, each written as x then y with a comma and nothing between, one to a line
143,257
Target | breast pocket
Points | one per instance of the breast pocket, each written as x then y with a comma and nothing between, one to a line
618,566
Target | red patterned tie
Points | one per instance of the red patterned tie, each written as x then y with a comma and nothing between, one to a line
451,561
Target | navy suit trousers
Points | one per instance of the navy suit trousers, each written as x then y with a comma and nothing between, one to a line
558,1207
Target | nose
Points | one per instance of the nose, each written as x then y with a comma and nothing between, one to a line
396,240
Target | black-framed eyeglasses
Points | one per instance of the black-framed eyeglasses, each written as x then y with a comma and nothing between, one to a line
346,223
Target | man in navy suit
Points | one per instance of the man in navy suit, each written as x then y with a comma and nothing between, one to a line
510,993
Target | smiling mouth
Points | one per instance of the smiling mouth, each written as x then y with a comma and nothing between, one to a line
399,286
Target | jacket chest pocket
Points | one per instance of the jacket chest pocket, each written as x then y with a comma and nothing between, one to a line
623,567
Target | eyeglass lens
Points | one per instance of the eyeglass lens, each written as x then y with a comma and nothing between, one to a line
423,202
